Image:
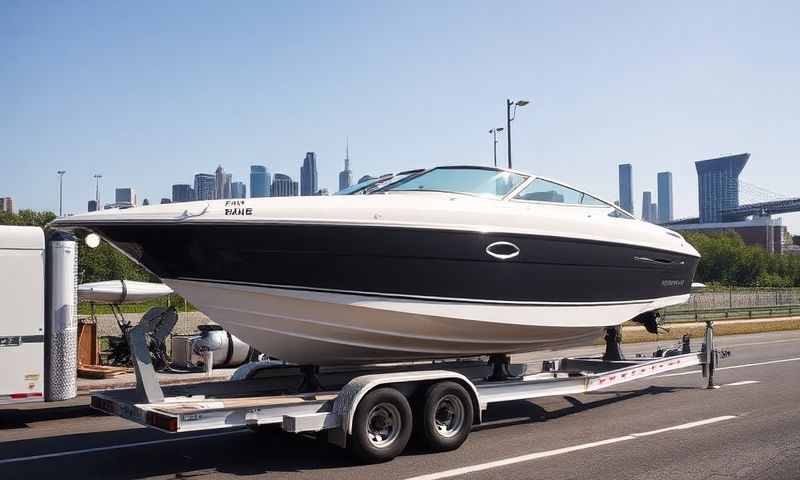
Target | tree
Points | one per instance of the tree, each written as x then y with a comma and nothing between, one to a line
728,261
27,217
94,265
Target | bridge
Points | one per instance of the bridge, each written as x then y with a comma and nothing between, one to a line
761,209
759,202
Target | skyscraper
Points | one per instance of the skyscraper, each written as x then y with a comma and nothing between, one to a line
260,181
654,212
219,182
205,186
226,187
346,176
664,197
91,206
626,187
125,195
182,192
308,175
283,186
238,190
647,210
718,185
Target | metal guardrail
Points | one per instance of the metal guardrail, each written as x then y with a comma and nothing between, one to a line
673,316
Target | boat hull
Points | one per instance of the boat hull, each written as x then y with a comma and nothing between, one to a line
326,328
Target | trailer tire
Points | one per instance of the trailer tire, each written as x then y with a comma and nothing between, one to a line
382,426
446,417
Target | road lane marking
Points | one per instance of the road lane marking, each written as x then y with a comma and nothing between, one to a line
743,382
685,426
771,362
760,343
560,451
115,447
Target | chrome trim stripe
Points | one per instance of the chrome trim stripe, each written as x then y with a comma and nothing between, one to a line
409,297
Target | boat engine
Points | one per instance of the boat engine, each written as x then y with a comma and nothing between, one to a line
228,351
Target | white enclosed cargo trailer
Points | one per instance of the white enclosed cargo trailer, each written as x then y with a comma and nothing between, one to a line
38,324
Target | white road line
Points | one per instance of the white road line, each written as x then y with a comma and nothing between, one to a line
559,451
115,447
761,343
743,382
771,362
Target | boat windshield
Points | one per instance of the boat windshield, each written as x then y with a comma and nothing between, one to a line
371,184
358,187
477,181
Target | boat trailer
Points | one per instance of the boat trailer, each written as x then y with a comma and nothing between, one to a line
369,409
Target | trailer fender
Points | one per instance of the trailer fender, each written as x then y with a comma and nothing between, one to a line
351,394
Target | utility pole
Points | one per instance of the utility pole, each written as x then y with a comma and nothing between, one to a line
61,192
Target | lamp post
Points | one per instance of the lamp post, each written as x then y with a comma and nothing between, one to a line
61,191
509,118
97,178
494,135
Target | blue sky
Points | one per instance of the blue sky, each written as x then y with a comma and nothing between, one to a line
148,94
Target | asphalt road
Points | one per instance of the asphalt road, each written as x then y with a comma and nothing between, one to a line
749,428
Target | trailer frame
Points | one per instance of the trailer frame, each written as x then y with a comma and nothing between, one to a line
251,399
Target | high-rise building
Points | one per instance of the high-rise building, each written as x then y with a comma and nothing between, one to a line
718,185
205,186
260,181
91,206
165,200
219,182
654,212
6,205
145,202
664,197
308,175
125,195
647,210
238,190
626,187
283,186
226,187
182,192
346,176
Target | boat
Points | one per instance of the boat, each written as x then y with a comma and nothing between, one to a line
119,292
452,261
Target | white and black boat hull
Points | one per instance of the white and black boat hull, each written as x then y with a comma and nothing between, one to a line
324,328
477,277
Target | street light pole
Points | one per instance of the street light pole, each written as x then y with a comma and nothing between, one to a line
97,177
509,118
61,191
494,136
508,129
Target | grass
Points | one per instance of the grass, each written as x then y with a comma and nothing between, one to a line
676,331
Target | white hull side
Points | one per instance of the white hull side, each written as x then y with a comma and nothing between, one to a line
323,328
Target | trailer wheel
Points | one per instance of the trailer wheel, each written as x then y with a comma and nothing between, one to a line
446,418
381,426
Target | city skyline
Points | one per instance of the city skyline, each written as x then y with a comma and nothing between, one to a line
186,112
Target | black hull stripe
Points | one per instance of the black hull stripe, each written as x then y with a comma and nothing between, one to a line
406,262
413,297
284,223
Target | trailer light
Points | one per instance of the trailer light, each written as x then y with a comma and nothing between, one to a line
163,422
